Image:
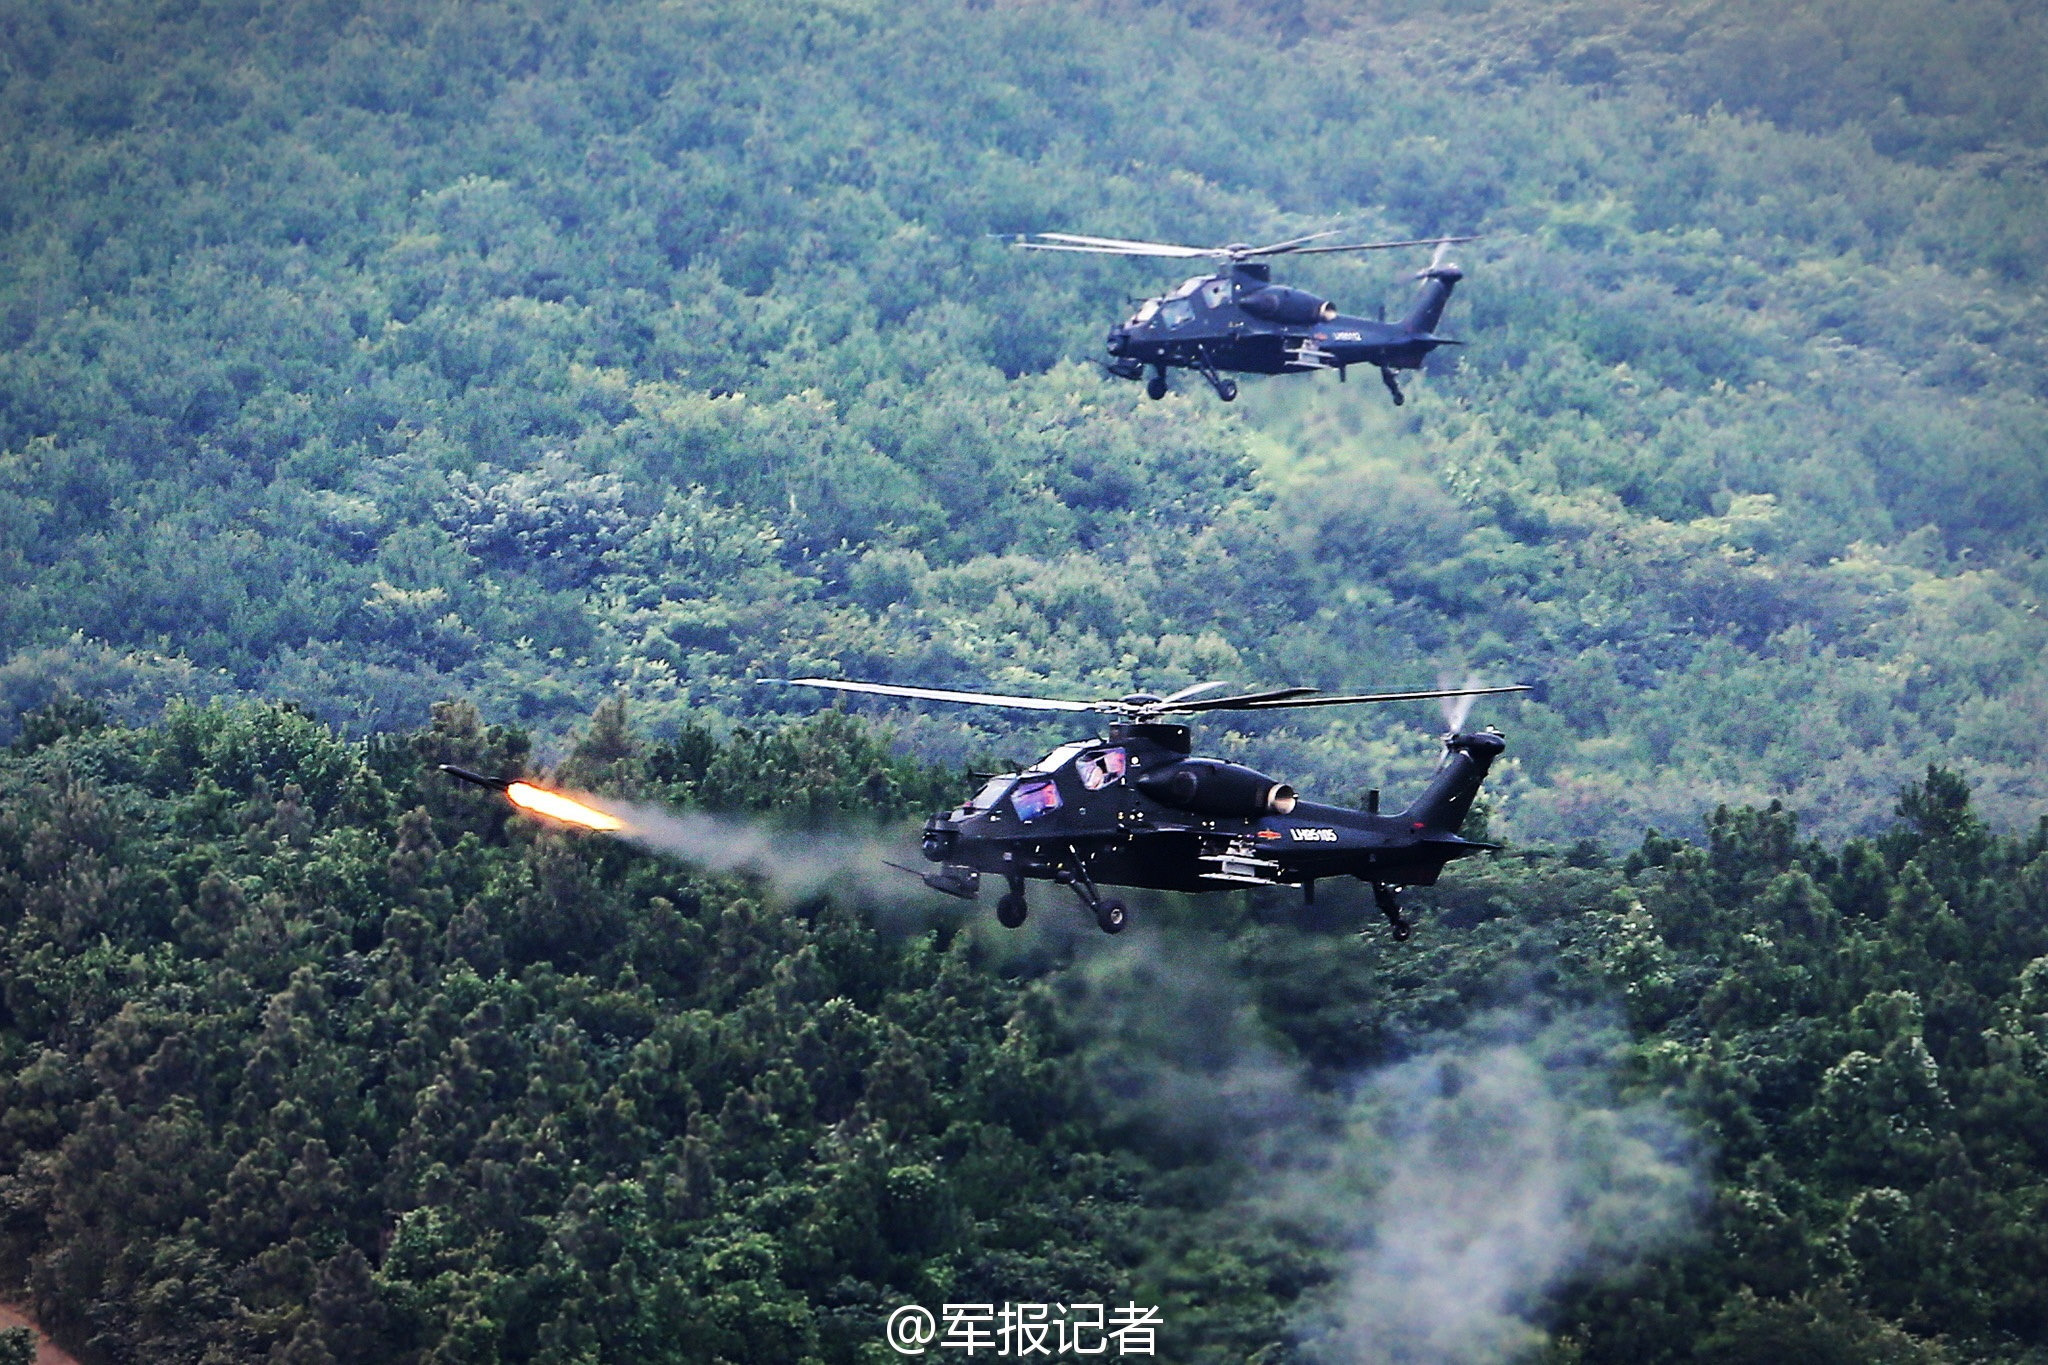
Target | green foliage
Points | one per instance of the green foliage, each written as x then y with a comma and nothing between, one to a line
531,353
391,1077
388,1076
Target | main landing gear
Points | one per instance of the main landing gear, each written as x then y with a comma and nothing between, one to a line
1393,385
1011,909
1155,387
1390,905
1226,389
1109,912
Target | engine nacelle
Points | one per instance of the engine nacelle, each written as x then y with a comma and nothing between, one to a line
1280,303
1207,786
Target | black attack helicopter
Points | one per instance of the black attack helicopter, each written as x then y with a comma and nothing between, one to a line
1239,320
1138,808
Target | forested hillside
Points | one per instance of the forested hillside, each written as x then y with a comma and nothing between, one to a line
521,383
306,1057
371,354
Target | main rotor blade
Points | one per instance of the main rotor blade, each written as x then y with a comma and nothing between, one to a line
1377,246
1124,244
942,694
1187,692
1248,701
1275,248
1114,251
1389,696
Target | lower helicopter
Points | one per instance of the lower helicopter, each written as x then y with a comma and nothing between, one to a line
1137,808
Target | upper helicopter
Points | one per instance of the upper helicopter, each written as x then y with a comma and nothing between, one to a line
1239,320
1136,808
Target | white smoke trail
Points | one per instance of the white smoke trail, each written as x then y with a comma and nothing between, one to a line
796,863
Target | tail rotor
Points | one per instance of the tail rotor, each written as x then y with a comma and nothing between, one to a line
1458,709
1436,260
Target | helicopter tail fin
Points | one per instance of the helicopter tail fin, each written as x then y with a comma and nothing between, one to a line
1438,278
1445,803
1437,283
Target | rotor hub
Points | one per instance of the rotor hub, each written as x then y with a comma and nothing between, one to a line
1174,738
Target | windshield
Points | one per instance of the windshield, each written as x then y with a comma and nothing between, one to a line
991,792
1059,758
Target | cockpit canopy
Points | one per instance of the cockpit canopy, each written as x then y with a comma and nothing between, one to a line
1036,791
991,792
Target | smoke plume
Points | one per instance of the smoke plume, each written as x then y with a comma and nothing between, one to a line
796,863
1459,1189
1505,1167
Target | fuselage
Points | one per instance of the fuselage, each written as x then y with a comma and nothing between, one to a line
1138,812
1239,321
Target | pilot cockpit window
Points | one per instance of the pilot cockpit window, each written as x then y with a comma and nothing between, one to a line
1101,768
1035,796
1186,288
1060,757
1179,313
992,792
1215,293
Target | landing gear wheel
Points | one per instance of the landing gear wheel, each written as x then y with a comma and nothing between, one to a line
1155,387
1227,390
1383,896
1110,915
1393,385
1011,910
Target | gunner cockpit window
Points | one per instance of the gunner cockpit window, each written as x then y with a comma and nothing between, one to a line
1035,797
991,792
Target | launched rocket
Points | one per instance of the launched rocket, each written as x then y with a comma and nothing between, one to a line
541,801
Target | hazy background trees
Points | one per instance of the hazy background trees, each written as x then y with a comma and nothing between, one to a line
371,355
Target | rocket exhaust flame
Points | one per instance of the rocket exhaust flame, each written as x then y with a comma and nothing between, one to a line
541,801
555,806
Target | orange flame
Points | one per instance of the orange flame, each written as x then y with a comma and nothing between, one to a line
556,806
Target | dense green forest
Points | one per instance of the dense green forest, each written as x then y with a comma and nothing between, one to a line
307,1057
370,354
519,383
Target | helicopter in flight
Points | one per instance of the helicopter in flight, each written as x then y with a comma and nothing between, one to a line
1238,320
1137,808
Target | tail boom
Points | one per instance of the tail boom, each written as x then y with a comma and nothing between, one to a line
1437,283
1444,804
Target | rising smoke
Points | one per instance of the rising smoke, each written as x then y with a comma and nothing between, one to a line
1506,1168
1458,1189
